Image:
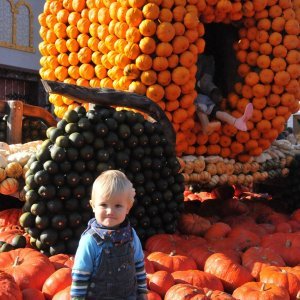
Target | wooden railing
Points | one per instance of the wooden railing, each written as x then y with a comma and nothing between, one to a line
16,110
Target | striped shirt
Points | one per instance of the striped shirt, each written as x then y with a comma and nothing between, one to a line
87,261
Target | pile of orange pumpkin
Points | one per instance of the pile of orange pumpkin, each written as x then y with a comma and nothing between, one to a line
247,251
151,48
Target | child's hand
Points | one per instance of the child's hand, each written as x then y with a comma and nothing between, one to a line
142,297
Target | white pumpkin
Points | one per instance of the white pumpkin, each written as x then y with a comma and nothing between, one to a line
3,161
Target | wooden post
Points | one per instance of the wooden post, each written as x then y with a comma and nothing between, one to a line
14,121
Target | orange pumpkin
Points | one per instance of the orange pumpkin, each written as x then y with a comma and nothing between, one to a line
28,267
219,265
63,294
259,289
160,282
9,186
198,279
183,291
171,262
30,293
57,282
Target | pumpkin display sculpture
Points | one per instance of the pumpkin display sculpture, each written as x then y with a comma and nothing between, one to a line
151,48
59,176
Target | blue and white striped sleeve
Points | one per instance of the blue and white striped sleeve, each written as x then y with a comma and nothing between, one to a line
83,266
139,264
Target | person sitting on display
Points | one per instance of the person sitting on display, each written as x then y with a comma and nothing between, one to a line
209,98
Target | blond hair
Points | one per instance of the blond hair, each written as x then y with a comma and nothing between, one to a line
110,183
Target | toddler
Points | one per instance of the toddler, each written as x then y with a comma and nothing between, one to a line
109,261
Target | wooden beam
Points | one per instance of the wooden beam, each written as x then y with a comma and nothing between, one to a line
111,97
18,74
16,110
14,122
3,106
39,113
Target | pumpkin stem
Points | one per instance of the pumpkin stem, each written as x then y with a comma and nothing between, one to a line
209,293
172,253
16,262
298,295
284,271
263,287
288,244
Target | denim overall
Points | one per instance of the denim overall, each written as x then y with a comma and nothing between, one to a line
115,278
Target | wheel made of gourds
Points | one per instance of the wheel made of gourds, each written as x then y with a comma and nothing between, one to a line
151,48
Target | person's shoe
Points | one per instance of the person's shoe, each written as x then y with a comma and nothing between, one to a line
241,123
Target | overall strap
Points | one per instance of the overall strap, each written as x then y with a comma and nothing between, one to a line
95,236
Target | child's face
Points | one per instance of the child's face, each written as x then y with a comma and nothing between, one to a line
111,212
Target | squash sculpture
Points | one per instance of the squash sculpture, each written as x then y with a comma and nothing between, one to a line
151,48
84,144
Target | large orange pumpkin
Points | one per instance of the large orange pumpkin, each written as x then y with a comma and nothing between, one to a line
63,294
257,258
198,279
62,261
57,282
28,267
185,292
281,277
259,290
229,272
160,282
171,262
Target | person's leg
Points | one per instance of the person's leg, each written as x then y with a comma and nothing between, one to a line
239,123
207,127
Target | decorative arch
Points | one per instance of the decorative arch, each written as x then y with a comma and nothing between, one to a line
20,27
6,22
24,24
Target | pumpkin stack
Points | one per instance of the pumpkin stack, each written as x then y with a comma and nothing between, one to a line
146,48
151,48
269,68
